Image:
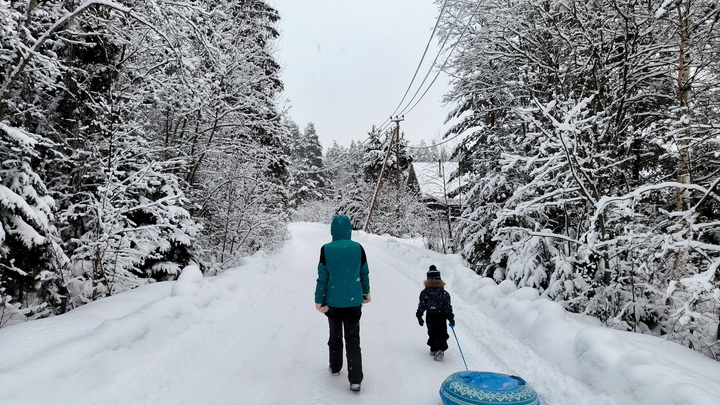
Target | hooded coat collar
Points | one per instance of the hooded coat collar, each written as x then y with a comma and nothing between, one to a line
341,228
434,283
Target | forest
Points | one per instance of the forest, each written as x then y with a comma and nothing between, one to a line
137,137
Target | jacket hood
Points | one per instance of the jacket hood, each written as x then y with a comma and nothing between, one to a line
341,228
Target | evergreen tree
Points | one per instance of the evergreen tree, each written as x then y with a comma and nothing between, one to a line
571,123
309,176
393,158
352,192
373,155
31,261
122,212
317,172
140,113
339,165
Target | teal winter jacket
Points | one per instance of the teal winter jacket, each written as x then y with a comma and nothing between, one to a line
343,274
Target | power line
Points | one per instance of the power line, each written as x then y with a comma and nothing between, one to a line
447,59
457,21
427,46
440,50
386,124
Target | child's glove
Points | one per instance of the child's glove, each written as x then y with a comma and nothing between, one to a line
451,321
420,321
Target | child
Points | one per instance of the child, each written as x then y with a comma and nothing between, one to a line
436,302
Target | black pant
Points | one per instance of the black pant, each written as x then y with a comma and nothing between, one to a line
437,331
349,320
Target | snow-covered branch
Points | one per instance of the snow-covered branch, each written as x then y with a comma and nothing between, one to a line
33,51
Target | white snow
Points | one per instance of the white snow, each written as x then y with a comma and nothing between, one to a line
252,336
18,135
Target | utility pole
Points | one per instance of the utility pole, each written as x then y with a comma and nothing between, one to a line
397,120
382,173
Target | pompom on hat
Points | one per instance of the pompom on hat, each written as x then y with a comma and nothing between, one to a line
433,273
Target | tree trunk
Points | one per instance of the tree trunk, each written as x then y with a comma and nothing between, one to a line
682,195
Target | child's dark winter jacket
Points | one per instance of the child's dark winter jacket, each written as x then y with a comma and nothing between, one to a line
435,300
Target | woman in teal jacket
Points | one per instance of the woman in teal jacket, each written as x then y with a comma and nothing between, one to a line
343,285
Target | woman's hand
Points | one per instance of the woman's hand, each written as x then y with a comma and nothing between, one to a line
366,298
321,308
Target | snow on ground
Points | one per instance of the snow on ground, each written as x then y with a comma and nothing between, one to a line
252,336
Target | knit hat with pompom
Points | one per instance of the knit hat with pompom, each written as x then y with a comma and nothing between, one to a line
433,273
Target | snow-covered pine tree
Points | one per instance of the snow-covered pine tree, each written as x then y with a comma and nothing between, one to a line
343,166
122,209
393,196
340,165
374,152
492,123
31,261
310,180
571,152
313,155
31,275
57,85
142,107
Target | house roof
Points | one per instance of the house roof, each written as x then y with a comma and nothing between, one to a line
433,180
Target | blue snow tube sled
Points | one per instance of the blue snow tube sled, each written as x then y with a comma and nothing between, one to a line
481,388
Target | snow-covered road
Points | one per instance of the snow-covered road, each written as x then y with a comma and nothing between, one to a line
253,336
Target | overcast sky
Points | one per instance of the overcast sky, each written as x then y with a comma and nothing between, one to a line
347,64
